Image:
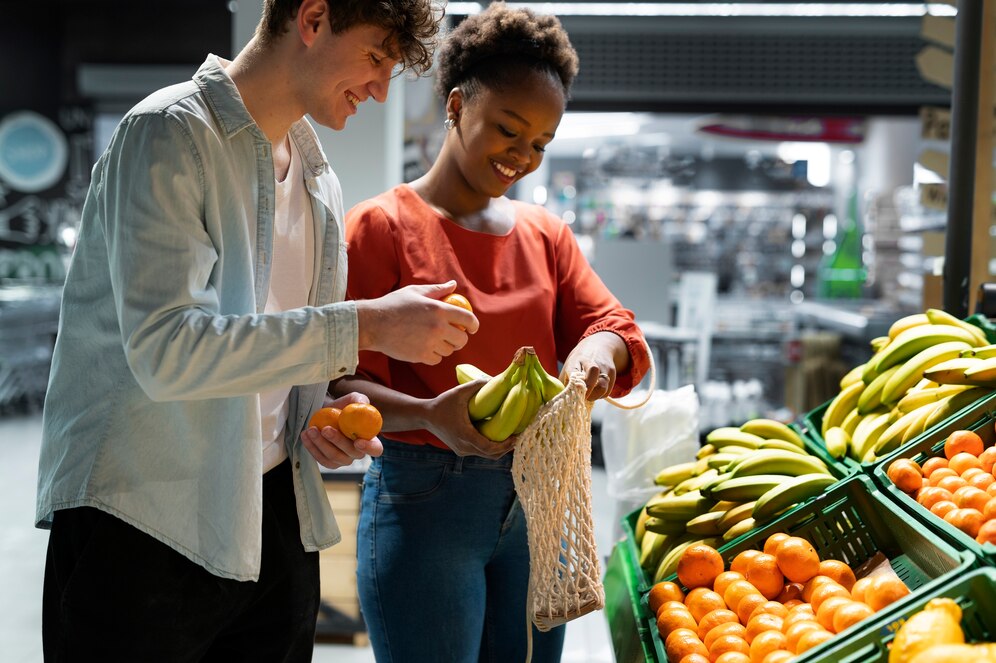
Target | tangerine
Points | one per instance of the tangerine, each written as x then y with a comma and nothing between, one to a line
839,572
963,441
681,642
326,416
951,483
663,592
931,495
850,614
943,508
963,461
970,497
858,591
360,421
764,643
724,580
726,628
981,480
714,619
968,521
728,643
694,658
772,542
906,475
987,533
761,623
932,464
884,589
827,610
780,656
825,591
736,591
455,299
797,559
748,605
770,608
794,632
989,510
810,639
732,657
702,600
764,574
988,458
791,592
669,620
699,565
739,563
812,584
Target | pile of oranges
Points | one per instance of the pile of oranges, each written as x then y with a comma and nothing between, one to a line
959,487
770,606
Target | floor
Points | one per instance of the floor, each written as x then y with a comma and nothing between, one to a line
22,560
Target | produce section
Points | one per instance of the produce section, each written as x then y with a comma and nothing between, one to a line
888,492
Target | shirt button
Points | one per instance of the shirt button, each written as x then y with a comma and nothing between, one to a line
297,465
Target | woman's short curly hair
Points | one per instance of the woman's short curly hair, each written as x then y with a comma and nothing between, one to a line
413,24
493,49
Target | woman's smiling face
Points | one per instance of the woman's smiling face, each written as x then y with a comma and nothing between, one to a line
502,133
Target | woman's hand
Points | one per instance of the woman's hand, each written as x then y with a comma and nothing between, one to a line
331,448
600,357
450,422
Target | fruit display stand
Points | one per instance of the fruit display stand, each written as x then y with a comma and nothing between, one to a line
981,421
852,522
631,640
974,591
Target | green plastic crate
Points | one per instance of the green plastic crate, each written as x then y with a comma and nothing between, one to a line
631,642
983,423
814,420
851,522
974,591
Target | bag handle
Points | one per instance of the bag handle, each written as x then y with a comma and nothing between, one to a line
653,383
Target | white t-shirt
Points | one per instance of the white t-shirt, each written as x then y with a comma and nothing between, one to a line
290,282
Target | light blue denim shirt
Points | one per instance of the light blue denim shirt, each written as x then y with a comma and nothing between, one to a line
152,412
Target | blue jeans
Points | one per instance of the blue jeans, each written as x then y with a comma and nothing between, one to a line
443,560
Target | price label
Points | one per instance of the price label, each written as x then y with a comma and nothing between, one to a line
935,123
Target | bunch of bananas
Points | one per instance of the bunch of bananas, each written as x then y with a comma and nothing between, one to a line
930,366
741,478
509,401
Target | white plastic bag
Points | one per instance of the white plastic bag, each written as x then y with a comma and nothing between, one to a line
637,444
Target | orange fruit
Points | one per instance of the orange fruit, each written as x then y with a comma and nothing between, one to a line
728,643
810,639
764,574
987,533
769,608
795,617
760,624
968,521
951,483
962,441
858,591
989,510
672,605
970,497
827,610
771,544
739,563
906,475
884,589
943,508
702,600
931,495
991,488
360,421
724,580
663,592
694,658
714,619
726,628
987,459
792,591
932,464
797,559
972,472
963,461
780,656
791,603
732,657
735,591
794,632
699,565
942,473
748,605
812,584
839,572
764,643
326,416
669,620
982,480
825,591
455,299
850,614
681,642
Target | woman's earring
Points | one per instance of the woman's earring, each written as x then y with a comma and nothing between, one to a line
449,123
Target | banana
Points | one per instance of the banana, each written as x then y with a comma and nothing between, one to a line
551,385
776,461
916,399
735,515
661,526
706,488
912,341
954,404
695,482
707,524
868,432
852,376
468,373
952,371
837,440
639,527
668,565
910,372
534,389
841,404
783,445
879,342
981,352
790,492
892,436
869,371
917,425
681,507
940,317
720,460
984,373
506,420
904,323
738,530
851,422
727,435
871,396
652,550
705,451
746,488
675,474
489,398
770,429
659,497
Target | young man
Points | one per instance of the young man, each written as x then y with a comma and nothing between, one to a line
202,320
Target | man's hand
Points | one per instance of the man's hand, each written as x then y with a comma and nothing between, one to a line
331,448
451,424
412,324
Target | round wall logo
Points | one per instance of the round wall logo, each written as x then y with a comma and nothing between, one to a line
33,152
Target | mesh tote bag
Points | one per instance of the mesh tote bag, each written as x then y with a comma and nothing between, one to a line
551,470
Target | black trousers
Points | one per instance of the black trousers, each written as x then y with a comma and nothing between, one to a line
113,593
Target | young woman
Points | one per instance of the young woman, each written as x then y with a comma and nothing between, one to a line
443,555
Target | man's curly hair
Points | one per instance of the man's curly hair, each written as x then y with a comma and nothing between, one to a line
413,24
494,48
